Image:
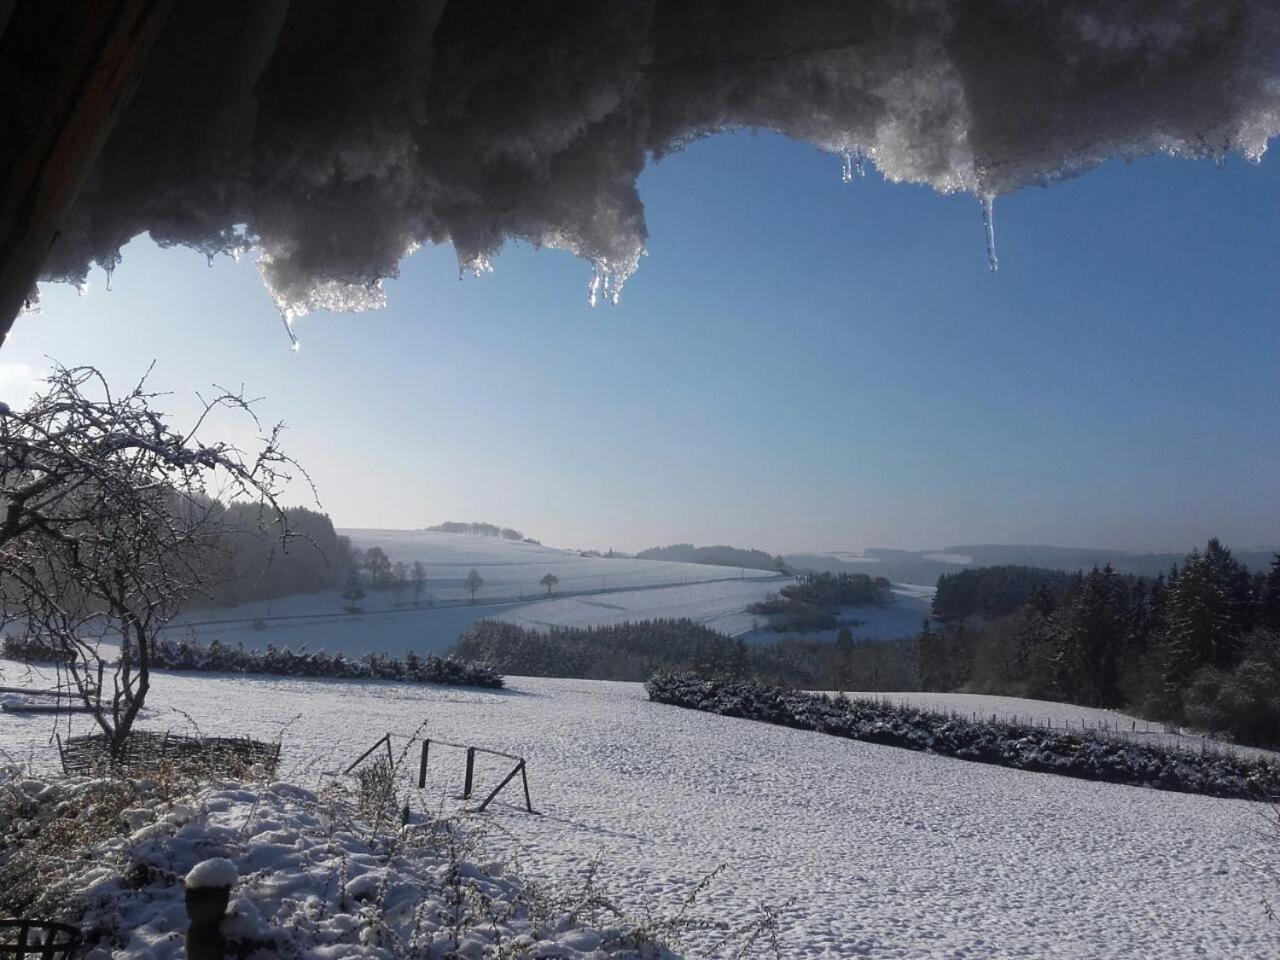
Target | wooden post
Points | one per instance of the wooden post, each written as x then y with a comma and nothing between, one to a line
471,767
528,803
67,69
422,766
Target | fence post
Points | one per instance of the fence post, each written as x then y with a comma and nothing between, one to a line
471,767
422,766
528,803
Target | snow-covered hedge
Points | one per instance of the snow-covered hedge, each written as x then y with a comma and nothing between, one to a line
218,657
32,650
1087,756
308,877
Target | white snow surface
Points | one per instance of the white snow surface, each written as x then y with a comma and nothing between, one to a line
512,569
866,850
592,591
316,884
338,139
721,606
214,872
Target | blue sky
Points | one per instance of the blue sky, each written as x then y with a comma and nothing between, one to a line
798,364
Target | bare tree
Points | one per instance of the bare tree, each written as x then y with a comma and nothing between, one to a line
549,581
110,525
473,583
353,592
419,578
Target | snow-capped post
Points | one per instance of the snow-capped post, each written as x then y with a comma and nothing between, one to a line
208,888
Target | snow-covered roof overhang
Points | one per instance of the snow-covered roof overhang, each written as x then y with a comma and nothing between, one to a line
336,137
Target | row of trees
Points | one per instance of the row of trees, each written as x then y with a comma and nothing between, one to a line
1199,646
719,556
476,529
627,651
810,604
372,566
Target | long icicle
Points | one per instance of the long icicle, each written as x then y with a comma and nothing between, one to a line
989,223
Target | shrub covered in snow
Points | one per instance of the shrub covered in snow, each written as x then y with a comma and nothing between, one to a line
1087,756
32,650
218,657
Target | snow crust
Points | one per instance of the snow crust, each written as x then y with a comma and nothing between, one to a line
337,139
866,850
318,885
214,872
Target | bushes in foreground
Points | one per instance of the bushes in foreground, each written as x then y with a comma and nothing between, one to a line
219,657
1087,756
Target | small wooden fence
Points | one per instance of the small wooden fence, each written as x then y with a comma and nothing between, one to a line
469,781
91,753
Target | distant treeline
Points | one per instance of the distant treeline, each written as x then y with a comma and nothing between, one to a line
218,657
810,604
476,529
721,556
635,651
995,591
1199,646
625,651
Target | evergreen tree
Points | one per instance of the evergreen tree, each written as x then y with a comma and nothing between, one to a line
1269,597
549,581
1090,635
1202,622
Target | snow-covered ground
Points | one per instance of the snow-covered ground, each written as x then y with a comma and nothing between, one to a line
867,850
512,569
721,606
592,591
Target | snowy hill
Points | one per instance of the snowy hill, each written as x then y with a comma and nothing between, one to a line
592,591
863,850
512,568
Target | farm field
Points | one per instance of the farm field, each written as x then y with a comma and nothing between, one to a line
863,850
593,591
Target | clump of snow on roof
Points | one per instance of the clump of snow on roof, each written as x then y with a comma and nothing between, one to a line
214,872
336,138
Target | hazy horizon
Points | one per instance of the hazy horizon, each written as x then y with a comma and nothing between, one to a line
800,365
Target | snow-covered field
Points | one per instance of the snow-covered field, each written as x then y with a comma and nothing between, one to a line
867,850
593,591
721,606
512,568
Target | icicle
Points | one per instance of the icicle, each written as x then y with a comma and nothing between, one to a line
597,281
209,259
294,345
846,168
110,270
859,164
988,221
82,287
